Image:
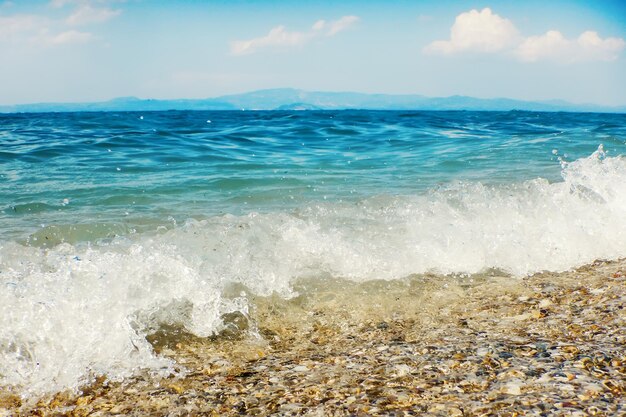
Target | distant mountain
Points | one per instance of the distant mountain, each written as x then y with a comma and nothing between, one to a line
292,99
298,106
121,104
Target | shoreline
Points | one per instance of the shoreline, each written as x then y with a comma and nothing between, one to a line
550,343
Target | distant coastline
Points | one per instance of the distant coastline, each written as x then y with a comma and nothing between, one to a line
293,99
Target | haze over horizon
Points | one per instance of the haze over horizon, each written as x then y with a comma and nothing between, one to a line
279,89
97,50
296,99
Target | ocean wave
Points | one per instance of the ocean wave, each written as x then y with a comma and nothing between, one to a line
70,312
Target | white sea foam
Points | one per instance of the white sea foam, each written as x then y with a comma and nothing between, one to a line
71,312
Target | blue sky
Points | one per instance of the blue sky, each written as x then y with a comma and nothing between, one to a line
92,50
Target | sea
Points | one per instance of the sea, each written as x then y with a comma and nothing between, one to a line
115,224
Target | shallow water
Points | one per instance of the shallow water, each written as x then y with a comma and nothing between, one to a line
115,224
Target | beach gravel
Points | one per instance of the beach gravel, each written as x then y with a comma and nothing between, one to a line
488,344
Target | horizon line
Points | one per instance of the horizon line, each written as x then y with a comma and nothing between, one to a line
550,102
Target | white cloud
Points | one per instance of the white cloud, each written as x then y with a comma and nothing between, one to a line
341,24
280,37
12,26
87,11
45,31
41,30
86,14
477,31
35,30
486,32
549,44
69,37
319,25
552,45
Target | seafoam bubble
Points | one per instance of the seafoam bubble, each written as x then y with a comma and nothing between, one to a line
70,313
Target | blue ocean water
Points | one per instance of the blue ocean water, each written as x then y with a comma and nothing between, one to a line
112,224
117,173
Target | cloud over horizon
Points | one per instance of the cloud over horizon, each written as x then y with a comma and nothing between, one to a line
487,32
69,37
86,14
15,25
280,37
477,31
552,45
42,30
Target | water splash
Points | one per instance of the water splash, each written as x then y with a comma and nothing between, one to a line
73,311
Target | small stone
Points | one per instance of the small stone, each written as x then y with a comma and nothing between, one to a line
455,412
482,351
402,370
176,388
544,303
382,326
512,388
537,314
81,401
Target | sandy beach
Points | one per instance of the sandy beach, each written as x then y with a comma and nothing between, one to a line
548,344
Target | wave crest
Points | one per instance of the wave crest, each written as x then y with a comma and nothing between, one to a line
72,312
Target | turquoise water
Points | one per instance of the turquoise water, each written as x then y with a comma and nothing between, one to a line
114,224
115,173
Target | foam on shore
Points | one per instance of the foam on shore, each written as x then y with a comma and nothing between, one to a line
71,312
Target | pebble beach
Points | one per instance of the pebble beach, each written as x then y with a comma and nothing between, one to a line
312,209
488,344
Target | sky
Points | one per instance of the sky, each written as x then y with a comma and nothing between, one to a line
95,50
